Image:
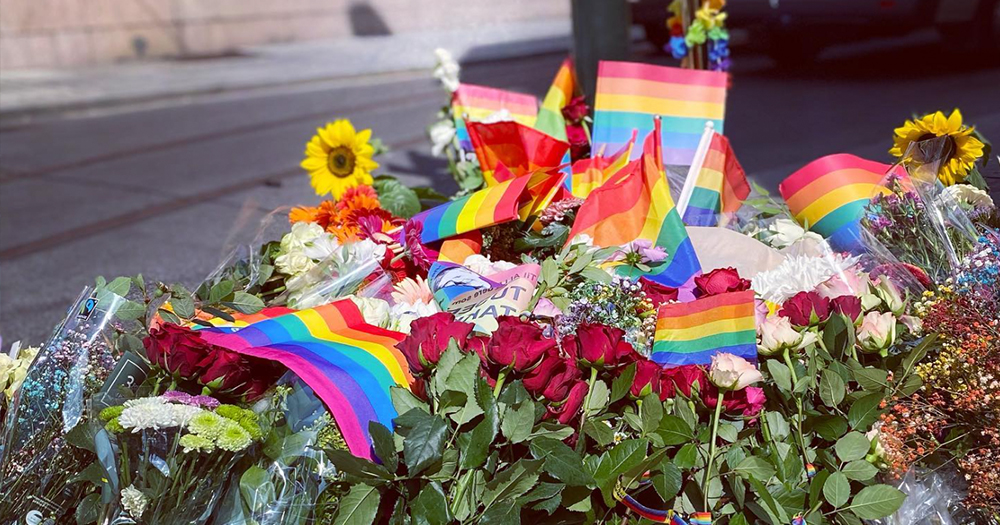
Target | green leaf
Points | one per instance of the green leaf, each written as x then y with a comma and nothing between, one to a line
777,424
119,286
547,495
550,272
518,422
781,375
89,509
831,388
397,198
245,303
687,456
599,431
830,428
183,306
852,446
876,502
674,430
756,467
355,466
624,456
872,379
220,291
912,383
424,444
561,461
403,400
358,507
385,446
838,335
623,383
816,487
860,470
430,507
864,411
503,513
650,412
668,483
728,432
256,488
598,399
593,273
837,489
130,310
512,482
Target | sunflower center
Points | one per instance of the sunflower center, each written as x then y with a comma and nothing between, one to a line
340,161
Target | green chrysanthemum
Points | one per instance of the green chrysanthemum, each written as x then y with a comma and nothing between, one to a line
230,412
207,425
113,426
111,413
233,438
252,428
196,443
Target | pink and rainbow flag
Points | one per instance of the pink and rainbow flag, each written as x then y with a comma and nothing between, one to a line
475,103
691,333
350,364
486,207
829,196
720,186
636,204
629,95
550,116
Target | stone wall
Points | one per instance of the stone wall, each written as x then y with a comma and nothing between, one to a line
62,33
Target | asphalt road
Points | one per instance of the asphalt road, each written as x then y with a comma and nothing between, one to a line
169,191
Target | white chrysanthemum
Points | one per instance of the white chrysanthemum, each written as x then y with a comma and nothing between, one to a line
799,273
141,414
134,501
442,134
786,232
967,196
375,311
484,266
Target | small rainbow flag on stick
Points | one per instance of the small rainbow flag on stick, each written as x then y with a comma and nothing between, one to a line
521,149
486,207
691,333
829,196
550,117
716,184
590,174
475,103
348,363
636,204
629,95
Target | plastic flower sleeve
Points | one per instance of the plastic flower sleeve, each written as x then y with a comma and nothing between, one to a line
930,500
39,454
329,280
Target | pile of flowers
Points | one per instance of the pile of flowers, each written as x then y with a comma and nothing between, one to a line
528,368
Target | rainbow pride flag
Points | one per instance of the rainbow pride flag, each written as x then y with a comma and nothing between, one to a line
691,333
720,186
829,196
521,149
629,95
636,204
550,117
486,207
458,248
348,363
475,103
590,174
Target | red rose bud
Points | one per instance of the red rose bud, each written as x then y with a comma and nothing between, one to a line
600,346
176,349
848,305
517,345
647,378
565,375
226,371
579,143
680,380
428,339
576,109
570,408
720,281
657,292
806,309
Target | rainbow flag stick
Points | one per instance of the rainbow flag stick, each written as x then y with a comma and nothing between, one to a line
699,160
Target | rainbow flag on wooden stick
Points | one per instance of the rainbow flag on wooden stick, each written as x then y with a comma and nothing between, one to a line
691,333
521,149
475,103
629,95
829,196
550,116
350,364
636,204
717,184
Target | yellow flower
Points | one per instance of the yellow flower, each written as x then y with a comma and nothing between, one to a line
339,158
711,17
965,149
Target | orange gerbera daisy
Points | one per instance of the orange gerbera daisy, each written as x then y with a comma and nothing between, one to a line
303,214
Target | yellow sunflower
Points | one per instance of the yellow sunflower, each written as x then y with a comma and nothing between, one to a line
339,158
963,148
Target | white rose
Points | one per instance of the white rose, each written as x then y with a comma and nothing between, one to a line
293,263
322,248
302,233
730,372
442,134
877,332
777,335
375,311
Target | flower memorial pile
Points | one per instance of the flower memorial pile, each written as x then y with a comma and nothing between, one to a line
560,342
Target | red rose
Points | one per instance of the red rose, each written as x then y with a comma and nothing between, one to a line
257,387
599,345
575,110
679,379
517,345
719,281
428,339
848,305
563,378
538,378
176,349
749,400
225,371
647,378
579,143
570,408
806,309
657,292
419,388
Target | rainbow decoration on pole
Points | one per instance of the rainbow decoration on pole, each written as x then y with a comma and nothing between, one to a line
651,514
829,196
718,188
475,103
350,364
550,118
701,518
630,94
691,333
520,149
486,207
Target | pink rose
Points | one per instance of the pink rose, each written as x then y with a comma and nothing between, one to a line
730,372
720,281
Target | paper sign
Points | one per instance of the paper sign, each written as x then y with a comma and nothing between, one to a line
481,307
